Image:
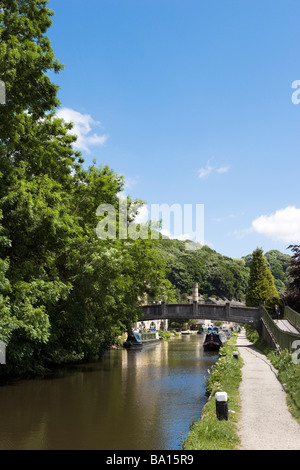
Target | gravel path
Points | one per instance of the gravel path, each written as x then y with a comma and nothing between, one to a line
266,423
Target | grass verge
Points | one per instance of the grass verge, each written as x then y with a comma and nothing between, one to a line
209,433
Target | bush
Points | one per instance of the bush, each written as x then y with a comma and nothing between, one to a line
164,334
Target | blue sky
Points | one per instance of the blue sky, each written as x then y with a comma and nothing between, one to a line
192,101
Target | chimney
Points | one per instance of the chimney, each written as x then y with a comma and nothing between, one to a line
195,292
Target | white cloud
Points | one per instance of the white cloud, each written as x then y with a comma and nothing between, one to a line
203,172
223,169
83,125
208,169
283,225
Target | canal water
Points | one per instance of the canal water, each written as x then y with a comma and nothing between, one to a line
130,400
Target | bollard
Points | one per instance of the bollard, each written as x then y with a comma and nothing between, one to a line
221,405
235,354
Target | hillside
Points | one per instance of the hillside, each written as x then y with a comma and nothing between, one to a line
217,275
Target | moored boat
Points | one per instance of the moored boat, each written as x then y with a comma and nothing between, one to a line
212,342
137,339
133,340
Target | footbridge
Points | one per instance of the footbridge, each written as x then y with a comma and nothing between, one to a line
226,312
284,334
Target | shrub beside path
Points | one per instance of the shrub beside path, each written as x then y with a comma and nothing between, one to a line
266,423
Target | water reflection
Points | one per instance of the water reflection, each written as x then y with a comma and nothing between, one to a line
135,400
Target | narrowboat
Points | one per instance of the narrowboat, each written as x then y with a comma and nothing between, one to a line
212,341
141,339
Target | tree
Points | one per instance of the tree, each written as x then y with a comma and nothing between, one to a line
278,264
261,288
292,294
31,202
64,294
25,58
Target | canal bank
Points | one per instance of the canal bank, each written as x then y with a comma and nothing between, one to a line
258,418
209,433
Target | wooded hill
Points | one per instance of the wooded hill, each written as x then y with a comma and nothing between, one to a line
217,275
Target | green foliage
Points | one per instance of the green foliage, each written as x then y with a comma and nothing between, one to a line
165,334
209,433
279,265
225,367
25,58
292,294
251,333
289,375
65,295
261,287
217,275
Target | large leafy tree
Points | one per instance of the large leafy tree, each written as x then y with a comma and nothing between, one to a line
64,293
31,202
261,288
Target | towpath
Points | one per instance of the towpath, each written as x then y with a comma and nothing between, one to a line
266,423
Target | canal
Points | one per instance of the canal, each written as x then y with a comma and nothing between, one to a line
130,400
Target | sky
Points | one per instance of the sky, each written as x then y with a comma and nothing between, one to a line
195,102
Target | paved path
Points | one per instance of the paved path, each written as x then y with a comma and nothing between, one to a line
285,325
266,423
